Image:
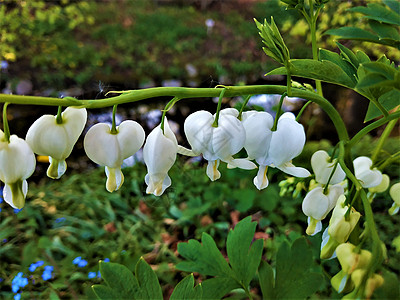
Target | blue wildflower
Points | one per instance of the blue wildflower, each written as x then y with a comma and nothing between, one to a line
47,272
92,275
35,265
18,282
17,296
80,262
98,274
59,220
5,240
1,279
16,210
106,260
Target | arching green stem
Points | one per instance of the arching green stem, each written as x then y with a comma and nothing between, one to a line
182,92
59,119
5,123
382,139
325,191
372,126
221,96
169,105
278,112
114,126
302,110
246,100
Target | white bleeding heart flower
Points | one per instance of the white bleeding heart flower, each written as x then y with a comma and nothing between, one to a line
217,143
395,194
17,163
368,177
287,142
316,205
258,138
47,137
322,166
383,186
108,149
159,153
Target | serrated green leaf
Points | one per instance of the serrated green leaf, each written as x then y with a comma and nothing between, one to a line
244,258
148,282
292,263
318,70
362,57
375,11
343,64
385,30
266,278
106,293
353,33
119,278
204,258
393,5
388,100
348,55
185,289
216,288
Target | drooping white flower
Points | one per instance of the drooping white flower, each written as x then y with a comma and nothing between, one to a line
323,166
109,150
159,153
368,177
47,137
17,163
287,142
217,143
316,206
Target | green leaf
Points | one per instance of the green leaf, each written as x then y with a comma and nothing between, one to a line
216,288
372,80
149,286
362,57
266,278
348,55
353,33
244,258
390,288
339,61
393,5
244,199
388,100
185,289
292,264
383,69
377,12
105,292
119,278
204,258
318,70
385,31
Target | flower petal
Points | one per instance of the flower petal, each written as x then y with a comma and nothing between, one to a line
115,179
212,170
261,180
291,169
56,168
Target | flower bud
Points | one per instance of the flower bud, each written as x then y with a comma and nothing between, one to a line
383,186
395,194
372,283
351,260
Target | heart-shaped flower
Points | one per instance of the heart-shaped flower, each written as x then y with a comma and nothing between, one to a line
49,138
368,177
110,150
17,163
323,166
159,154
316,205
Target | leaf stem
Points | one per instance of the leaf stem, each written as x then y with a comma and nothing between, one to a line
221,96
5,124
169,105
383,138
246,100
302,110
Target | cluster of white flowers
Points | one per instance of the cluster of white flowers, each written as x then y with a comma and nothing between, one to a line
217,140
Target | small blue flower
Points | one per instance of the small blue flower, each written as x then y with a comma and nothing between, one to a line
98,274
35,265
18,282
17,296
59,220
92,275
76,260
16,210
47,272
5,240
82,263
106,260
1,279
